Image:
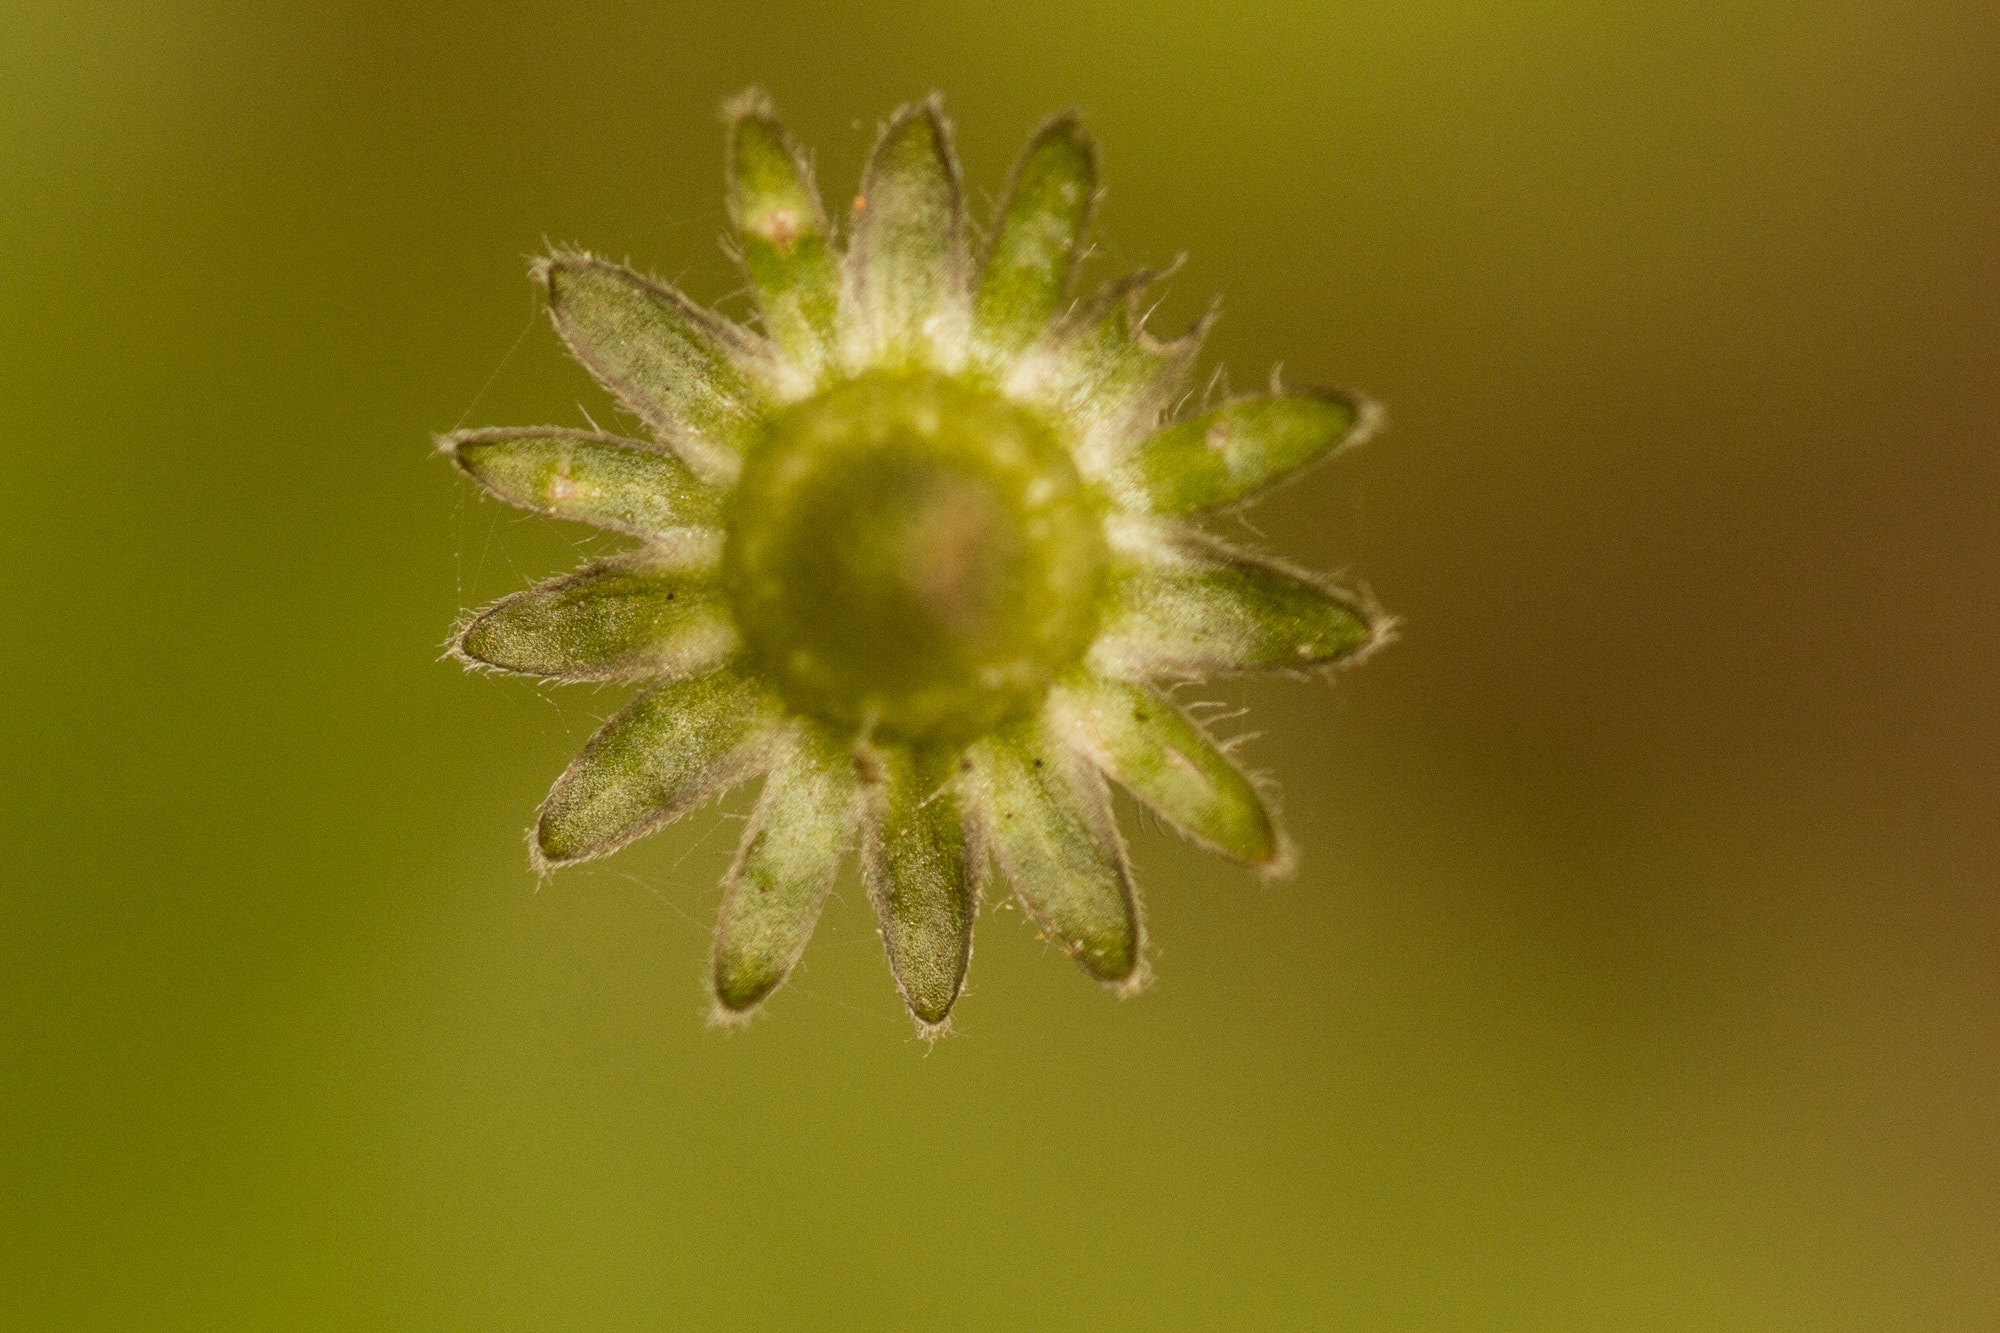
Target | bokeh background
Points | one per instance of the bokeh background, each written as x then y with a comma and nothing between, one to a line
1641,971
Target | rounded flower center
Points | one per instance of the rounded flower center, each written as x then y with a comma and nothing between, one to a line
912,555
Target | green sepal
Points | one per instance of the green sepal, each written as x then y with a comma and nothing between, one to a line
1153,750
658,612
698,380
619,485
1046,816
1103,377
907,300
788,248
1183,604
1221,457
671,749
772,895
1027,270
920,875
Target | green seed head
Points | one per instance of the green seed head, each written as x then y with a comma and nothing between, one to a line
923,552
913,554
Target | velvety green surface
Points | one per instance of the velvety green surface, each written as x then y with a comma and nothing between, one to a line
1640,970
912,556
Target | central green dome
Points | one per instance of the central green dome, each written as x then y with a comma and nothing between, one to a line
913,555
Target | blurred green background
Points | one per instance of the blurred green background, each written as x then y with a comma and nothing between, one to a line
1641,971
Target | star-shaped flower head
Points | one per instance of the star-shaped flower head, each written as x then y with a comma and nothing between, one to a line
917,553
